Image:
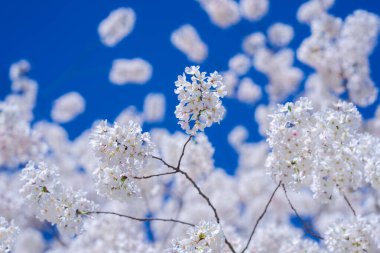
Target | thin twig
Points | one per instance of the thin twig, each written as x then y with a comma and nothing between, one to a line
349,204
261,217
164,162
156,175
200,192
183,152
305,226
142,219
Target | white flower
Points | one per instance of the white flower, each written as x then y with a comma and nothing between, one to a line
8,234
206,237
353,236
187,40
200,104
67,107
317,149
135,71
19,70
116,26
51,200
122,151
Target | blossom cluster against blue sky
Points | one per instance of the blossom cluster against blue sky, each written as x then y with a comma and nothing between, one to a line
60,40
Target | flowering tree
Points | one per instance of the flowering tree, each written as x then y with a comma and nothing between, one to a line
312,186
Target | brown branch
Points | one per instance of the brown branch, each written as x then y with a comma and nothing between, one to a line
183,152
164,162
142,219
304,225
200,192
261,217
156,175
349,204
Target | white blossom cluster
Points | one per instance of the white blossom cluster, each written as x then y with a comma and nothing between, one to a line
117,26
67,107
357,235
8,234
200,104
53,201
126,71
313,9
206,237
187,40
320,149
339,51
123,151
19,142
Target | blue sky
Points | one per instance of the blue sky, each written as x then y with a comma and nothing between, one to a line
60,40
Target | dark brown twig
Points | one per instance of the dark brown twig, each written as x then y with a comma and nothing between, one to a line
349,204
305,226
261,217
142,219
156,175
183,152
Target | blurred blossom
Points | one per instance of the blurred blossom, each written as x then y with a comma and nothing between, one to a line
187,40
154,107
67,107
117,26
130,71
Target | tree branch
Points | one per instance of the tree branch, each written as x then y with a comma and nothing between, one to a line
142,219
261,217
349,204
156,175
183,151
304,225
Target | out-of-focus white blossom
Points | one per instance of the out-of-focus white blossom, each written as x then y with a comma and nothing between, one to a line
187,40
29,240
313,9
8,234
253,42
200,105
230,80
67,107
206,237
52,201
223,13
248,91
19,70
237,136
19,142
154,107
339,52
282,239
134,71
117,26
284,79
123,151
109,234
239,64
254,10
357,235
128,114
280,34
